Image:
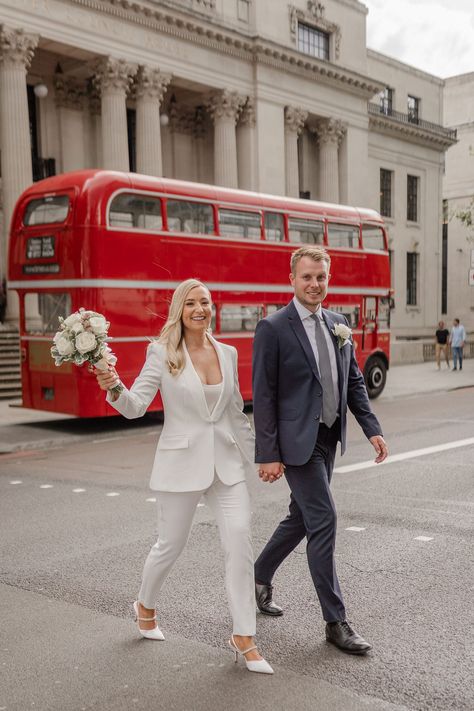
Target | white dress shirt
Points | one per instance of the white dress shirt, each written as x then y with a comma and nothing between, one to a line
308,324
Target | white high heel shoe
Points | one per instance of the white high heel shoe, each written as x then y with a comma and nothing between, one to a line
155,633
254,665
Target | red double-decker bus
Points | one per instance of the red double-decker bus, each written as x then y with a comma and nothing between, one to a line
119,244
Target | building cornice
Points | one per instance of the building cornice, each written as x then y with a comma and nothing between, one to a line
439,139
188,26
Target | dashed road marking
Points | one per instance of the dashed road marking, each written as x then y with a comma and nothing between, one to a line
355,528
16,481
424,538
77,491
46,486
113,493
406,455
151,500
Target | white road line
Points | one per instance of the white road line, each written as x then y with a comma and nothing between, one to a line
151,500
113,493
46,486
16,481
77,491
406,455
355,528
423,538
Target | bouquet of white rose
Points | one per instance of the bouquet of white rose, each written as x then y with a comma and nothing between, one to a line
83,338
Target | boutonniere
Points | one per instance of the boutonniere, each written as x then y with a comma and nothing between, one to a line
343,334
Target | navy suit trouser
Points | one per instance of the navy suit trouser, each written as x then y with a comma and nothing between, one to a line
312,513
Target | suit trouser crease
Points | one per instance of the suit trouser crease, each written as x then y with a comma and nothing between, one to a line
312,514
231,508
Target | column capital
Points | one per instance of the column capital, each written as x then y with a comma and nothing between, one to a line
331,131
294,119
69,92
151,83
111,73
16,46
182,119
201,123
247,114
225,105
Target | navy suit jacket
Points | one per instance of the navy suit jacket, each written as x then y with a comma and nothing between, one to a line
287,390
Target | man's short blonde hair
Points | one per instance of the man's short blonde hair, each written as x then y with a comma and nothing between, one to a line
316,253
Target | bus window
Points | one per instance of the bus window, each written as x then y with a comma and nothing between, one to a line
236,318
46,210
184,216
343,236
350,311
306,231
274,227
372,237
238,224
384,313
132,210
271,308
44,310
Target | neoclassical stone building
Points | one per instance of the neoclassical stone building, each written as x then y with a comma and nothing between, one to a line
268,95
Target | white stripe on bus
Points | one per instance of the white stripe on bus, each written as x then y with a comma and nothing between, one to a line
157,285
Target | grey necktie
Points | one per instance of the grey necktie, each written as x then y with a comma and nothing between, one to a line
329,412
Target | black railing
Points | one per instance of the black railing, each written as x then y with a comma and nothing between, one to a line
43,168
378,110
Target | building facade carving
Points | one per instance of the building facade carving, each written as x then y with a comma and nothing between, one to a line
315,16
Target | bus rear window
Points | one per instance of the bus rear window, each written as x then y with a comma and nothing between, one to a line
372,237
184,216
343,236
135,211
46,210
42,311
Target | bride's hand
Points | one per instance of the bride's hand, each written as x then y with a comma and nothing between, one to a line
107,379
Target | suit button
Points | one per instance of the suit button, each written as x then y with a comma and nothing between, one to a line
316,417
319,393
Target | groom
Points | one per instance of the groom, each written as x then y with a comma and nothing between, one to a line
305,376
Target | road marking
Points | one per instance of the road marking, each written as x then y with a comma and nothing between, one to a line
46,486
355,528
151,500
113,493
78,491
406,455
105,439
16,481
423,538
200,504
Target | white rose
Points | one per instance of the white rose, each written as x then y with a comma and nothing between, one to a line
77,328
342,331
98,325
63,345
72,319
85,342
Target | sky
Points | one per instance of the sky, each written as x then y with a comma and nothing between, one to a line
434,35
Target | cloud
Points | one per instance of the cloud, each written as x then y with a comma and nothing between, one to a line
433,36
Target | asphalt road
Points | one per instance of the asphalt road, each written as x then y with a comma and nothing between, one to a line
72,555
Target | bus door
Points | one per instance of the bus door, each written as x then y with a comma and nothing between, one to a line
369,324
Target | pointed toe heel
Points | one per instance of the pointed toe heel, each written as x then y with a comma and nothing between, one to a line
260,666
155,634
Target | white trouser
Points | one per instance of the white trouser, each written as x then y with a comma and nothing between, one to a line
231,508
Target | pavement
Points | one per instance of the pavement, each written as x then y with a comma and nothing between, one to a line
24,429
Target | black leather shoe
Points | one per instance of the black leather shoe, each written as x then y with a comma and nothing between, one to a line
264,598
343,636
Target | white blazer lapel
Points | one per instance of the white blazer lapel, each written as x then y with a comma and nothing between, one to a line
227,379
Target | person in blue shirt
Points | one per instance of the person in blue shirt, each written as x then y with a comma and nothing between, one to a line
457,340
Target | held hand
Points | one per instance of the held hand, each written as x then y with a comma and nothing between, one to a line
106,379
271,471
380,446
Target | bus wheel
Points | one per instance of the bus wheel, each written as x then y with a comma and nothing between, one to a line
375,376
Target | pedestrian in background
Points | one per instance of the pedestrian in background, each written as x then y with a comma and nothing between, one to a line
442,344
457,340
205,450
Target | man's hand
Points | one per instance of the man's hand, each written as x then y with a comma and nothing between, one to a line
380,446
271,471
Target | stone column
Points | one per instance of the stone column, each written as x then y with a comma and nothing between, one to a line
150,87
182,124
16,53
201,129
70,98
330,133
224,108
113,78
294,122
94,134
246,147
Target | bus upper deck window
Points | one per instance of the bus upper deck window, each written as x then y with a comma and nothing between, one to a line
46,210
343,236
185,216
373,237
274,227
136,211
239,224
305,231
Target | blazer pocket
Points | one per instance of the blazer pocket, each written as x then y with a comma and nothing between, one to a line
173,442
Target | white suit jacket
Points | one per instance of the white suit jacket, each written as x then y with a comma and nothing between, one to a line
193,442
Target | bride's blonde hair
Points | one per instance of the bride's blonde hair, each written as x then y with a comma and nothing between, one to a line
172,332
